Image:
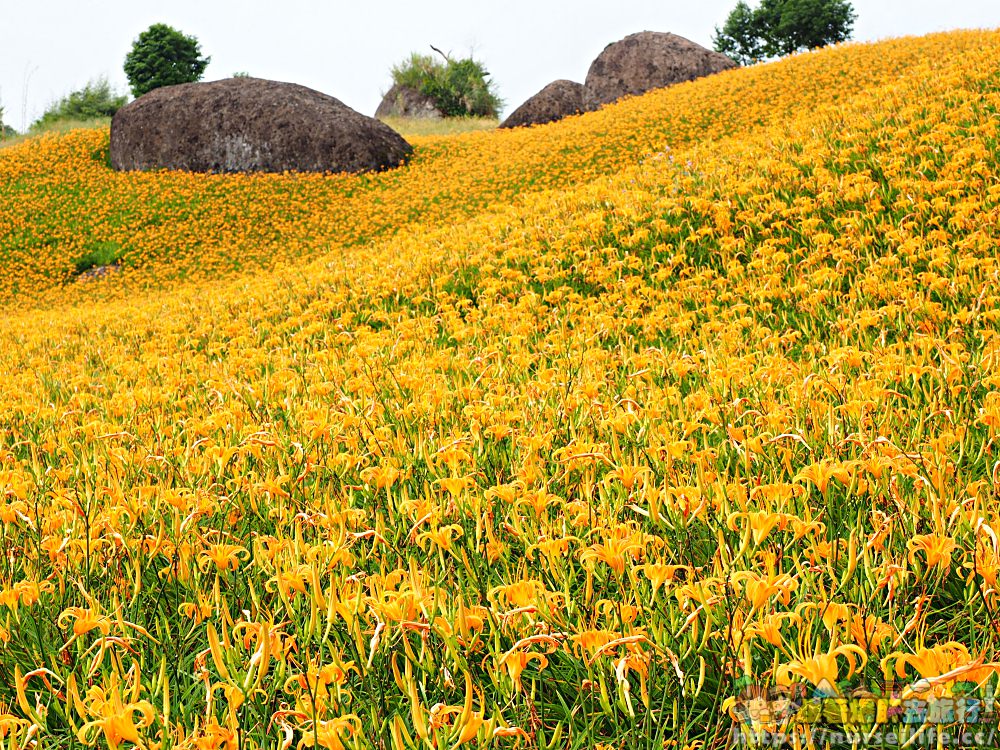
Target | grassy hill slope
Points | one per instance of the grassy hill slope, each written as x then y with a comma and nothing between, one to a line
59,203
561,437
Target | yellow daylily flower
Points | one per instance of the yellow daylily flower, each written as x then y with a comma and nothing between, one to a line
937,549
515,663
823,669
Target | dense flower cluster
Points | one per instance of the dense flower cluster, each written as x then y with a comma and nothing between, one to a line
555,438
59,202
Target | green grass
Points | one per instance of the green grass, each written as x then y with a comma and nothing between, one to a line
419,126
102,254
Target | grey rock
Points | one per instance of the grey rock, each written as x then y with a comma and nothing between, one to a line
559,99
402,101
96,273
649,60
250,125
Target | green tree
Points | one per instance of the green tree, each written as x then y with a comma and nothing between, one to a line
163,56
740,37
94,101
459,88
781,27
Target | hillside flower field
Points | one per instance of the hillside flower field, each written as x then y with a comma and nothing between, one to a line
562,437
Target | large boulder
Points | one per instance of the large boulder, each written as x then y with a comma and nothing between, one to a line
250,125
557,100
403,101
649,60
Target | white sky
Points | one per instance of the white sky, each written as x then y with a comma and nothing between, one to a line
50,47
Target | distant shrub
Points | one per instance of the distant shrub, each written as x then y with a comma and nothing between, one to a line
6,131
459,88
163,56
94,101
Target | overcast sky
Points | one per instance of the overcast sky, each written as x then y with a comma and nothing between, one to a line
50,47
